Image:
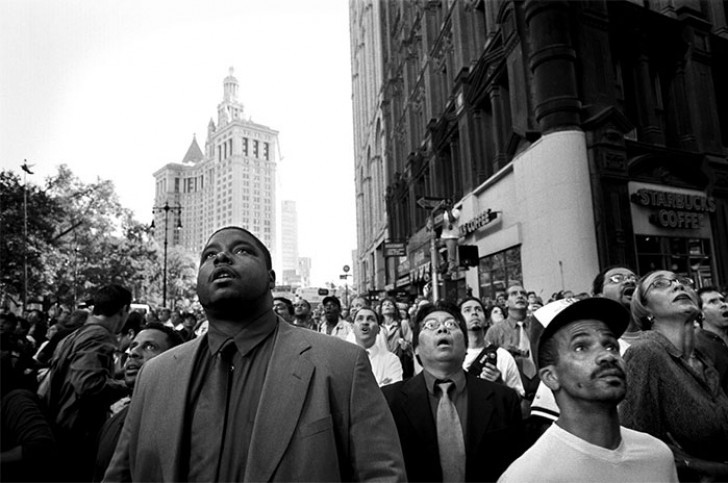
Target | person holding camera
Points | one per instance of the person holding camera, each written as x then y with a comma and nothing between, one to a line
491,363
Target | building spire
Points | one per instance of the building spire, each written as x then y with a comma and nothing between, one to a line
230,109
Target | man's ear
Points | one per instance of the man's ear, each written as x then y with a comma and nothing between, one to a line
549,377
272,275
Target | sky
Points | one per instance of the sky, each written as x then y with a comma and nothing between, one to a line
116,89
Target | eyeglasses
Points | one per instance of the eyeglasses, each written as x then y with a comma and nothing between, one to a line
449,324
667,282
620,277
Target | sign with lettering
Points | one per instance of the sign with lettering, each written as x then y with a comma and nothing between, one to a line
395,249
478,222
674,209
667,211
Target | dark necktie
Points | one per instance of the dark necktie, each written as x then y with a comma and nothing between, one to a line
225,375
450,439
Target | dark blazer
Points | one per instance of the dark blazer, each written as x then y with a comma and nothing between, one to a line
321,416
495,431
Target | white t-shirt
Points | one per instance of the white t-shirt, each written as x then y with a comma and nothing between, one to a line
505,363
559,456
386,366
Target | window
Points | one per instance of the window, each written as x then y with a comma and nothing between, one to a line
255,148
498,271
690,257
266,153
176,185
245,146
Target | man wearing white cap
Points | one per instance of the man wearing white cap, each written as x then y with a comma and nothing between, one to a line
579,360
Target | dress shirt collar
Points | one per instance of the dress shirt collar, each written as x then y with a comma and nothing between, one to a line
458,378
513,323
374,350
247,338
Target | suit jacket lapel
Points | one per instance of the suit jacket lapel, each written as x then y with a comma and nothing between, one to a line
480,412
417,408
173,415
281,402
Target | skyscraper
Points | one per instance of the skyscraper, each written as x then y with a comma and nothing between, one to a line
231,183
289,243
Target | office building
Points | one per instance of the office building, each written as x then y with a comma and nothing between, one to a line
231,183
571,135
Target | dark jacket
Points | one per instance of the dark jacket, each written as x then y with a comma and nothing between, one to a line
494,429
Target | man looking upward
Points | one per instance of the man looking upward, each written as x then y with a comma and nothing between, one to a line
255,399
579,361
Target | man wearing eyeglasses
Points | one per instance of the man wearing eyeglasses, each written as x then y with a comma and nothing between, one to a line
618,283
452,425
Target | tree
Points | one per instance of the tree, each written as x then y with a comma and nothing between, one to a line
15,249
79,237
181,278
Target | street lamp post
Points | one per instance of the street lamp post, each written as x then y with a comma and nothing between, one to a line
166,208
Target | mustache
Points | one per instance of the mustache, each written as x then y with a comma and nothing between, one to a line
609,369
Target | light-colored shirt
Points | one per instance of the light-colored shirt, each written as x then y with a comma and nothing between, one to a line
560,456
386,366
505,363
343,330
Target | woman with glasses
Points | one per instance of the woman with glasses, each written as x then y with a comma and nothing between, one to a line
673,391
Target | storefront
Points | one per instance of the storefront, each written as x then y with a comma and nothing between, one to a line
672,231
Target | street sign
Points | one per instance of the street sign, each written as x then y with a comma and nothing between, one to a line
395,249
346,269
431,203
343,277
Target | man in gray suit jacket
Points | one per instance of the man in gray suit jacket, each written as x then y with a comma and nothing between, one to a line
255,399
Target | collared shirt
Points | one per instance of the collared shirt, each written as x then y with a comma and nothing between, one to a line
386,366
343,330
459,397
219,439
505,333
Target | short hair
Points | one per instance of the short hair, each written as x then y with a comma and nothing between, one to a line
548,352
706,289
110,299
438,306
286,301
173,337
468,299
256,240
133,322
638,306
598,283
371,309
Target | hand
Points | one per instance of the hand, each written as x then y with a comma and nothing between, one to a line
490,373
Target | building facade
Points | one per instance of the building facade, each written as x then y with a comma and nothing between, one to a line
231,183
289,243
571,135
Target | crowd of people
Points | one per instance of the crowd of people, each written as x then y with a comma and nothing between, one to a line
626,383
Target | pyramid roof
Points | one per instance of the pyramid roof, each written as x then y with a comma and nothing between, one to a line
194,153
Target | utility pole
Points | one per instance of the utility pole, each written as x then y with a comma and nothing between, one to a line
174,209
433,204
26,172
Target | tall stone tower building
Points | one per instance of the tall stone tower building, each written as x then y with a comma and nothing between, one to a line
231,183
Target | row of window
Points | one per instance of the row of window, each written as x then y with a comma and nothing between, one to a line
248,147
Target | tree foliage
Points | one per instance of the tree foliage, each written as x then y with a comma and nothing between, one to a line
79,238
